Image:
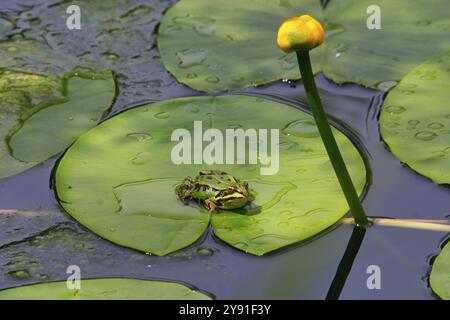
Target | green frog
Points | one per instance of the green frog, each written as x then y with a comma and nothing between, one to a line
215,190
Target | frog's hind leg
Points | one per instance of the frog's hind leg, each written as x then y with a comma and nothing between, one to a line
184,189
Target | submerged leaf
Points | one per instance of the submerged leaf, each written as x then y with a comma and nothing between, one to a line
104,289
415,119
41,115
119,180
440,274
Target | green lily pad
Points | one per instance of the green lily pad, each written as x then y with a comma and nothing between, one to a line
415,120
41,115
376,58
230,44
222,45
104,289
440,274
118,179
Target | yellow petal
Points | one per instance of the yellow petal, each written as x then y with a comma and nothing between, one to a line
300,34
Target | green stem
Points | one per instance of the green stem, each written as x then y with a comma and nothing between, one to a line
329,141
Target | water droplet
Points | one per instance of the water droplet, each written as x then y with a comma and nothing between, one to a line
288,62
340,50
111,55
435,126
283,224
286,145
212,79
201,25
439,155
425,135
392,124
172,29
70,118
191,75
141,158
301,128
141,137
162,115
395,109
223,229
386,85
241,245
191,57
206,252
430,75
257,230
413,122
286,213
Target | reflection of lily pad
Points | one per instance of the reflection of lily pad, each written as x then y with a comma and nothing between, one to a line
440,274
104,289
415,119
41,115
118,179
230,44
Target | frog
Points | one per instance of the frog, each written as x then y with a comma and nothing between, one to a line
215,190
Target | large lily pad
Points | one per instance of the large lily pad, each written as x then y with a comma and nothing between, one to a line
415,119
440,274
229,44
221,45
118,179
104,289
41,115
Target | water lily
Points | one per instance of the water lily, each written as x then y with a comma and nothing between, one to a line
300,34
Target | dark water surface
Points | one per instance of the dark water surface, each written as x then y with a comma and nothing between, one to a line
36,249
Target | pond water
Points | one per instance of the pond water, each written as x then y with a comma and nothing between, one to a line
36,249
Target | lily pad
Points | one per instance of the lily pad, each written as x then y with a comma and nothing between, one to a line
415,120
41,115
222,45
104,289
229,44
440,274
118,179
411,32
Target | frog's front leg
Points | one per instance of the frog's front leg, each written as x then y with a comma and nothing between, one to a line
209,205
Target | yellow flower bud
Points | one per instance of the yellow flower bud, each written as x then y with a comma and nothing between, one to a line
300,34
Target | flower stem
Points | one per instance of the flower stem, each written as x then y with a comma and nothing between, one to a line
419,224
328,139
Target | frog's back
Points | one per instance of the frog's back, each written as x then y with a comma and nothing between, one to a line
213,179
